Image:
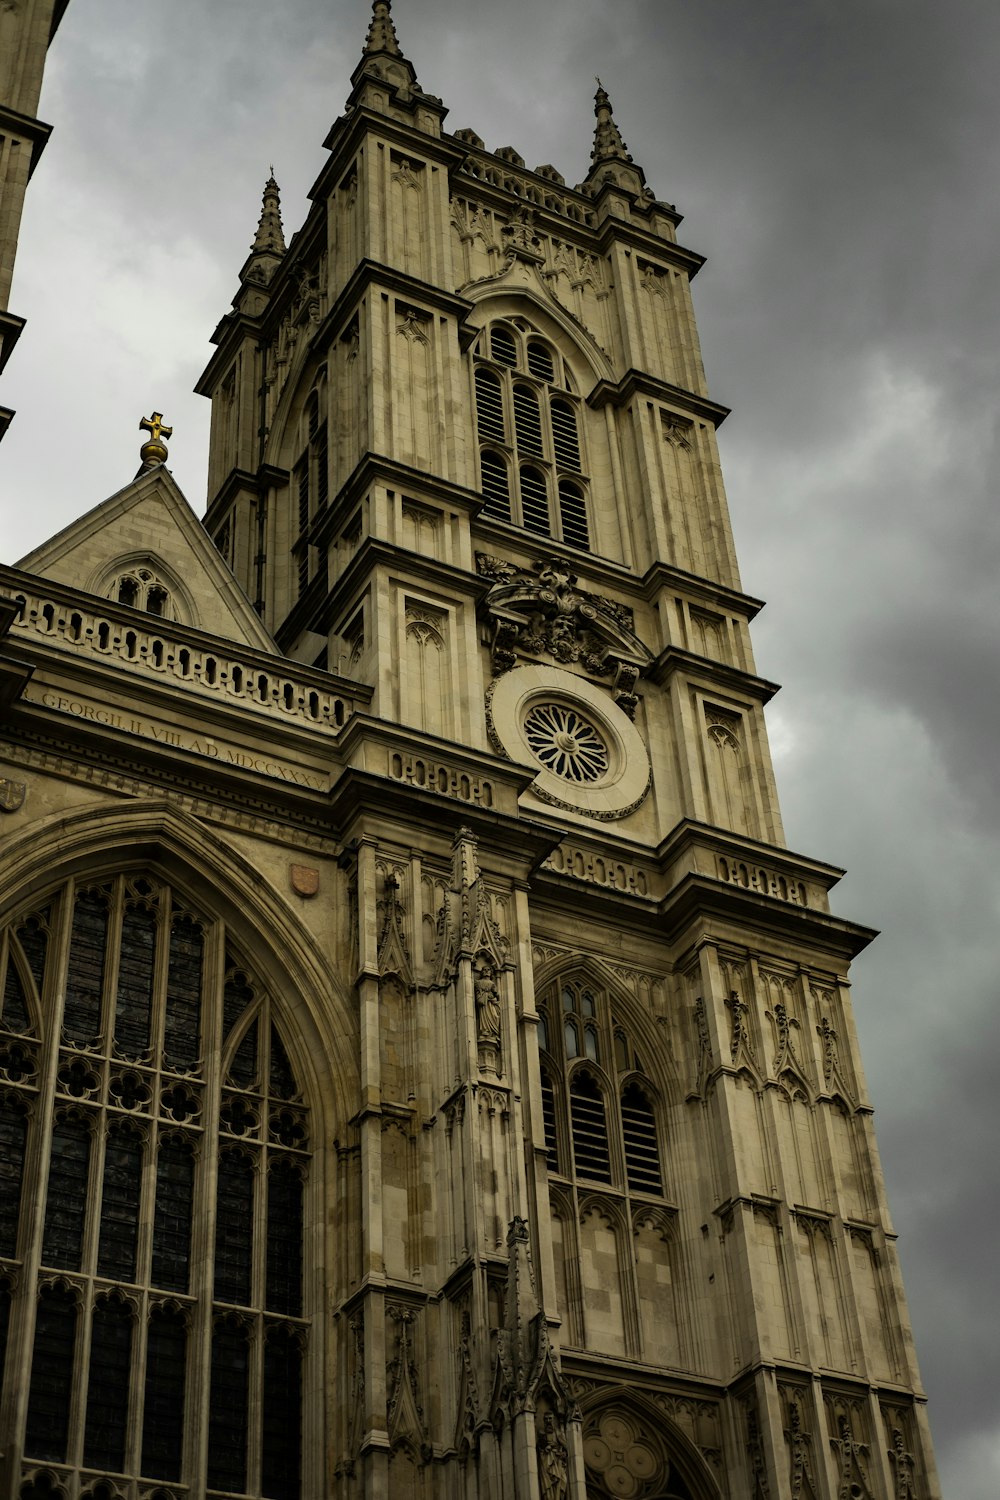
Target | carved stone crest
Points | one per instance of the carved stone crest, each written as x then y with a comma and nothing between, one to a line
12,794
545,613
305,880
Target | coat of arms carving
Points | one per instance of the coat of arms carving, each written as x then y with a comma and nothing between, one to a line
12,794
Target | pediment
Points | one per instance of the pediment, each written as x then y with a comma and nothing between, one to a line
149,531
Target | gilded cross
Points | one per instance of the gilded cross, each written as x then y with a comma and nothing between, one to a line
154,426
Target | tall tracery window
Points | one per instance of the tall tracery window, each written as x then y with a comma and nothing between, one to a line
598,1106
311,481
528,424
158,1123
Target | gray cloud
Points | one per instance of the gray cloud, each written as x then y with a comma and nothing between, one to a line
839,164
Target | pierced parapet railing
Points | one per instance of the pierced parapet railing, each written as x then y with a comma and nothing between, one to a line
598,869
153,651
753,877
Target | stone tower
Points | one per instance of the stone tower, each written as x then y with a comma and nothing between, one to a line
26,29
430,1073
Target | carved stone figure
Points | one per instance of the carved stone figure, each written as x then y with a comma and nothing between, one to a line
553,1460
488,1006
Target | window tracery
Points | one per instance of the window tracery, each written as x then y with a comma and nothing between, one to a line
598,1109
141,588
169,1088
531,456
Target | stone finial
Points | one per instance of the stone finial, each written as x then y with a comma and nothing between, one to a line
269,242
608,143
381,32
270,236
155,450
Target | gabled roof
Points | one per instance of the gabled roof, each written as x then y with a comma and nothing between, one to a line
150,522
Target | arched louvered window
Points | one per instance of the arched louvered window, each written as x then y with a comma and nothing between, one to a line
524,411
535,501
573,515
549,1121
540,362
503,346
642,1152
589,1128
489,407
527,422
171,1088
565,437
594,1093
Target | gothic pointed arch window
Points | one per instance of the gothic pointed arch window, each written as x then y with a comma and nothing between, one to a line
602,1123
528,424
311,479
149,1104
600,1109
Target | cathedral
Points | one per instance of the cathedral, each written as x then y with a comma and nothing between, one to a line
425,1072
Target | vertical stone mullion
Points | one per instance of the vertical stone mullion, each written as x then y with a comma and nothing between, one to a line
199,1359
36,1171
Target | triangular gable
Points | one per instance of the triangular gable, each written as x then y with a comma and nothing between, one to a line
150,521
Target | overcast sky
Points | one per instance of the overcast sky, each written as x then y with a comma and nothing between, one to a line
837,160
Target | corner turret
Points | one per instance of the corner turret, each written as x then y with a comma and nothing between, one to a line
386,81
611,164
269,242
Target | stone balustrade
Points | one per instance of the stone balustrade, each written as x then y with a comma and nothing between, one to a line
152,650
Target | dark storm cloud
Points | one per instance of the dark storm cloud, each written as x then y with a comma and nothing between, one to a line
838,161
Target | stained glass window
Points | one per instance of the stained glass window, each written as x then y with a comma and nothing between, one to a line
85,979
15,1001
172,1221
120,1203
227,1421
142,1128
13,1135
284,1238
282,1414
108,1385
182,1032
163,1397
234,1227
134,1003
52,1363
65,1210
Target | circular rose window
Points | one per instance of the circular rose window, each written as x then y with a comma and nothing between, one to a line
585,754
566,743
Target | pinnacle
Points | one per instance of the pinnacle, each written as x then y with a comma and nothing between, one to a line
608,143
270,237
381,32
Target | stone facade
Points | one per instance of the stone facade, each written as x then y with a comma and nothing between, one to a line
424,1070
26,29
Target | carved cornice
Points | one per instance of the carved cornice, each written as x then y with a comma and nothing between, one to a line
639,383
377,466
25,128
716,673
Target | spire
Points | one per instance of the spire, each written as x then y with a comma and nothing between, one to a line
270,237
610,163
608,143
269,242
381,32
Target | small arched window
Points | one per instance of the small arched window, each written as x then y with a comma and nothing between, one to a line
140,588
